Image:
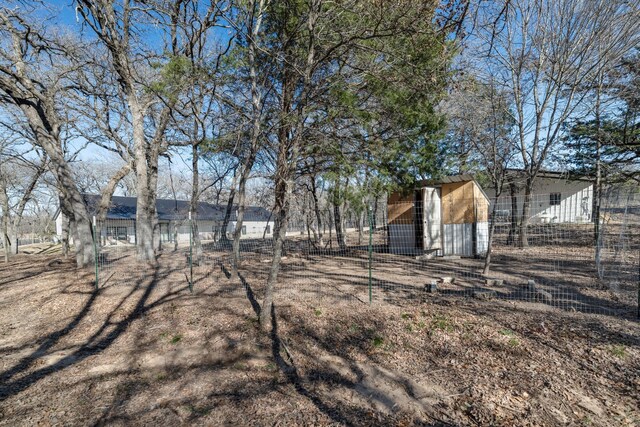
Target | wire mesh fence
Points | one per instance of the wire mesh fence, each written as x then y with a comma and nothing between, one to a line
544,252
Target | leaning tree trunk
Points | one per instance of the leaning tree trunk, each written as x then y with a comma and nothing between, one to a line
72,205
71,201
108,190
282,190
242,191
256,114
227,214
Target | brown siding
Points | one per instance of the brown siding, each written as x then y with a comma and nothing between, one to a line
458,203
482,205
400,208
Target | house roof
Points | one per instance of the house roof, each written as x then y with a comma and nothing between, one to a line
172,210
518,174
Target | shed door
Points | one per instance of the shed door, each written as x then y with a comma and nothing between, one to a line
432,219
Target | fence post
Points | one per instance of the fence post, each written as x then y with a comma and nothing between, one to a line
190,254
370,250
95,250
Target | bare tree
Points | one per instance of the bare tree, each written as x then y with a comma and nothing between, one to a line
542,52
30,83
148,97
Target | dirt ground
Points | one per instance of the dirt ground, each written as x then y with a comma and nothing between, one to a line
144,350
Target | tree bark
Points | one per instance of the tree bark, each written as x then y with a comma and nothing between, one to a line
523,237
72,204
337,217
597,185
107,192
492,227
4,203
256,99
281,210
195,199
229,210
240,209
511,238
146,185
65,235
316,209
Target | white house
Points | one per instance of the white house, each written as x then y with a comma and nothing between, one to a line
556,197
120,223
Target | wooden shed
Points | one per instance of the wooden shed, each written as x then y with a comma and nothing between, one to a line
448,216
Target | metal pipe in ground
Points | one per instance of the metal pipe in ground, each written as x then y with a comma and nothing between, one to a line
370,251
95,251
190,254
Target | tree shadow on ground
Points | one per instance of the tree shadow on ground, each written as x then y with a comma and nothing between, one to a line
338,412
101,339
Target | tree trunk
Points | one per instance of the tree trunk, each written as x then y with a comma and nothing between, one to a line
511,238
107,192
374,221
4,203
242,190
523,238
597,186
195,199
256,113
65,235
72,204
146,162
227,214
337,217
492,228
145,226
311,228
279,234
316,208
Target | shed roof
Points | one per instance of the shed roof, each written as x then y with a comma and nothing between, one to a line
448,179
172,210
453,179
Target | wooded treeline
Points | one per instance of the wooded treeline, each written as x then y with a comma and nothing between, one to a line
305,105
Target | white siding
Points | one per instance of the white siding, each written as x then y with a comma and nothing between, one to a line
432,219
206,230
458,239
59,224
482,238
576,198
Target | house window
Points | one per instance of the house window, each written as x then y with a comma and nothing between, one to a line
554,199
165,234
244,230
268,229
117,233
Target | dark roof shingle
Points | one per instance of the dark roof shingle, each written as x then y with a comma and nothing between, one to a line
172,210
